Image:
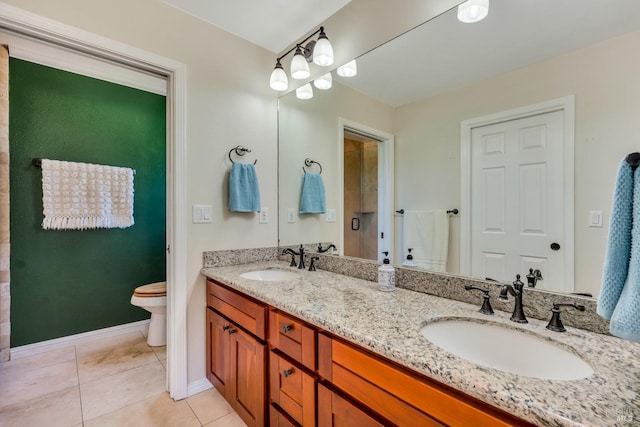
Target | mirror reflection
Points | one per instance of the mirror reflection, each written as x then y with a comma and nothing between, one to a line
445,104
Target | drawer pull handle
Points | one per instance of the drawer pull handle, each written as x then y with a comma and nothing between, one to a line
286,328
224,328
287,372
232,331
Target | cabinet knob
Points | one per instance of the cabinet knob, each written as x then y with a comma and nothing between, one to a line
287,372
232,331
286,328
224,328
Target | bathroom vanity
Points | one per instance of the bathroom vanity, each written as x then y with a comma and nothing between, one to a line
320,348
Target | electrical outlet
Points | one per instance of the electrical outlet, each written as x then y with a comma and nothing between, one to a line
331,215
291,215
264,215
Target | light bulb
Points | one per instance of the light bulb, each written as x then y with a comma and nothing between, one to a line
304,92
299,66
473,11
349,69
279,80
323,51
323,82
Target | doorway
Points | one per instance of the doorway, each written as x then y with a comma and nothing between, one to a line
366,166
519,195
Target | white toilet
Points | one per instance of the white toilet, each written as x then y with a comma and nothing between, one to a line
153,298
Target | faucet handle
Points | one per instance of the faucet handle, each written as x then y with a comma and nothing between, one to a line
312,265
517,284
486,304
555,324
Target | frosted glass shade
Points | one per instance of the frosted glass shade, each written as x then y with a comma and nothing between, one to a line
323,82
304,92
349,69
299,66
473,11
279,80
323,51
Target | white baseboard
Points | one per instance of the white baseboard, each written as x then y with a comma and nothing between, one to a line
197,386
54,344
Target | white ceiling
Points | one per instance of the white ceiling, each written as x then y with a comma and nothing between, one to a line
445,54
272,24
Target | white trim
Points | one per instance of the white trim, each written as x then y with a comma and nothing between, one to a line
20,21
64,59
57,343
386,150
566,104
198,386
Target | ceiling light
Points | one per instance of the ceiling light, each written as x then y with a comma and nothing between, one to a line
279,80
304,92
323,82
319,51
473,11
299,66
349,69
322,50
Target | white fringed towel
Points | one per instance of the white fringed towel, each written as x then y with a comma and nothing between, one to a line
427,233
78,196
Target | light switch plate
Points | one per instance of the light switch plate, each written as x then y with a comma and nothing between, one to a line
291,215
202,214
264,215
331,215
595,218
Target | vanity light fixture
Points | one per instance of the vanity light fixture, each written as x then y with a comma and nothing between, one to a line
304,92
324,82
349,69
473,11
319,51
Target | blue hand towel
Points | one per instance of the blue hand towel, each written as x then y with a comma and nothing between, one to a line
618,252
312,199
625,321
244,194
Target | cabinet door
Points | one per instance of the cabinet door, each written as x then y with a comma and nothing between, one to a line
246,389
217,350
334,411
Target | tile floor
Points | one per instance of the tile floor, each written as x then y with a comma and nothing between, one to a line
119,381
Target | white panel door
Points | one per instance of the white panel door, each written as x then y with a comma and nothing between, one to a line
517,198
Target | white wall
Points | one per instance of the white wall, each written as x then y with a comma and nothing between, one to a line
604,79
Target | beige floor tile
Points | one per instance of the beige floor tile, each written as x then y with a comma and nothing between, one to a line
161,352
99,346
61,408
105,395
38,360
157,411
37,382
118,359
209,405
231,420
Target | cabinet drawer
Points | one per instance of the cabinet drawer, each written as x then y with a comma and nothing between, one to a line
244,311
396,393
292,389
278,419
335,411
293,338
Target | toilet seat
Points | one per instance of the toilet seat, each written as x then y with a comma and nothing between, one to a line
152,290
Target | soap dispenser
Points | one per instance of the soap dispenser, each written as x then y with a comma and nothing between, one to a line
410,262
386,275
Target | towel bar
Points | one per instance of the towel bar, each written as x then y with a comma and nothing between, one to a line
308,162
452,211
37,162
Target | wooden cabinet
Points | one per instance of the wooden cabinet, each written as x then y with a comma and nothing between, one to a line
236,357
335,411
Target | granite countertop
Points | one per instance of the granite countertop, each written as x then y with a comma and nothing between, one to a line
389,324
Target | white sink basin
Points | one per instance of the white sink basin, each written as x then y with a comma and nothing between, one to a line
270,275
506,349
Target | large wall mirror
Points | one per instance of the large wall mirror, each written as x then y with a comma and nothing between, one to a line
425,125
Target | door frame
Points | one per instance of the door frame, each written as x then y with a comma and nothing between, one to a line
565,104
17,20
386,143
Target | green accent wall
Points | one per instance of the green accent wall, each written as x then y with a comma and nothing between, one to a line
65,282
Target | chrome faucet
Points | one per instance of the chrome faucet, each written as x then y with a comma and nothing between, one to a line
323,250
515,289
300,252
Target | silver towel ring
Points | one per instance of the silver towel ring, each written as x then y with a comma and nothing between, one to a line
240,151
308,162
